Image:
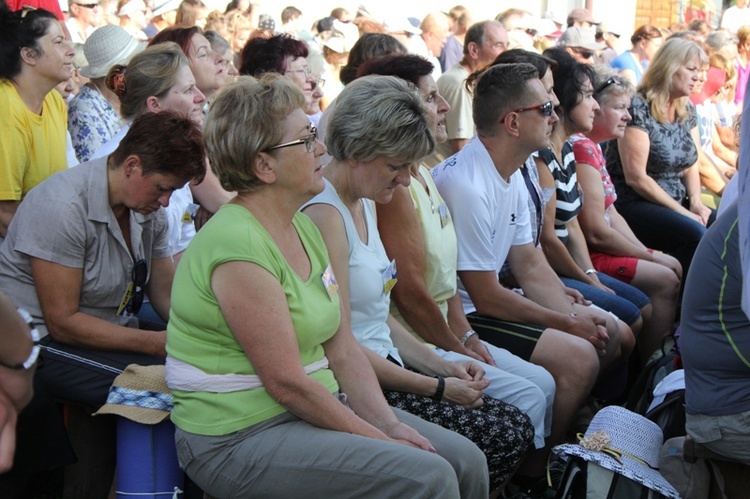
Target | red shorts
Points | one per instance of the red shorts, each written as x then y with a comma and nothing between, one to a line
619,267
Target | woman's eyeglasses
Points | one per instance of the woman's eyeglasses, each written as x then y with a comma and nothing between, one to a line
138,276
309,141
546,109
612,80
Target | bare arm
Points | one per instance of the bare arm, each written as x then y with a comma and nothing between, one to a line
557,253
159,286
390,375
266,333
7,212
209,193
634,148
728,156
16,388
59,290
400,230
710,176
600,235
691,180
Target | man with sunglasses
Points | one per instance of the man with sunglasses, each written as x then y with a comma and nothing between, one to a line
488,200
84,17
581,44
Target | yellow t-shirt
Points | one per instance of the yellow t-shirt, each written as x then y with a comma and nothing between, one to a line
440,246
32,146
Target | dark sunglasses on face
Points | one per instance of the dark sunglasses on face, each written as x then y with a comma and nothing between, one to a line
612,80
586,54
87,5
546,109
138,276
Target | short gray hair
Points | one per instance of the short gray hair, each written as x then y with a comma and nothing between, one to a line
379,116
603,93
245,119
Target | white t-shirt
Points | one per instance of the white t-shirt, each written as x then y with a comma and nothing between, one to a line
734,18
490,215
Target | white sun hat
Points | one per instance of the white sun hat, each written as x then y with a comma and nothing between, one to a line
107,46
626,443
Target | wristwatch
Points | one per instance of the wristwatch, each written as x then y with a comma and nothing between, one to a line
468,335
34,355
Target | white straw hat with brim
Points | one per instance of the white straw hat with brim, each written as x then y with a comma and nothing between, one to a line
139,394
584,38
107,46
626,443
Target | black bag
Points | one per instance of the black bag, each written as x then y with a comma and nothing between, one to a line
586,480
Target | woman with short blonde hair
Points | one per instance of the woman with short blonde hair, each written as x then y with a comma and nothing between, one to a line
273,396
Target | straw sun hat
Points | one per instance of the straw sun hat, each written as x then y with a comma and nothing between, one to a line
107,46
140,394
626,443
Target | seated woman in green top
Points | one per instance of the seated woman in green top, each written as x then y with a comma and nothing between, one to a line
271,396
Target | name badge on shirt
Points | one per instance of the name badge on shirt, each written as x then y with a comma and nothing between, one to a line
330,283
190,212
444,217
390,277
125,300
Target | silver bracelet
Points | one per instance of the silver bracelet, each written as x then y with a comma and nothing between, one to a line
590,271
468,335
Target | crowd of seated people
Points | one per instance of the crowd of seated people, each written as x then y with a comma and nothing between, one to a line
437,331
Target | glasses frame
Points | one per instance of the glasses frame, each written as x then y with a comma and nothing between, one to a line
138,276
309,141
546,108
612,80
585,53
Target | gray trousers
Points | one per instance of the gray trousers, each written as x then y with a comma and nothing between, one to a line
287,457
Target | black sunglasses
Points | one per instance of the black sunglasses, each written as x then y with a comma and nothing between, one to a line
612,80
546,109
586,54
138,276
87,5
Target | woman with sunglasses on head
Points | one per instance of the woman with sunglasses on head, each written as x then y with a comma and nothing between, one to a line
560,234
614,249
273,396
34,57
652,165
87,243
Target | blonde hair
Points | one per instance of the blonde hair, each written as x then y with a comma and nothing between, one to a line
150,73
657,81
245,119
